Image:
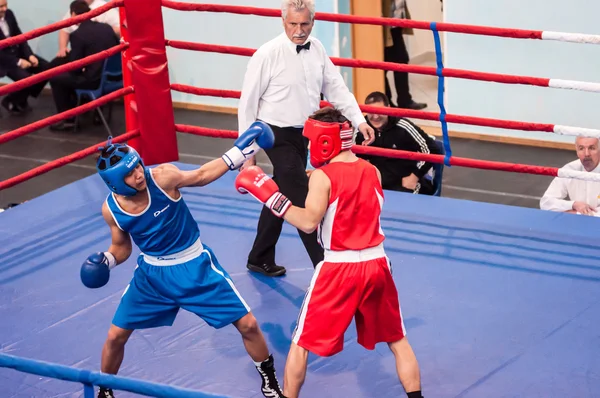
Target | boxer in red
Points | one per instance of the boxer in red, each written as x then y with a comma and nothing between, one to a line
355,279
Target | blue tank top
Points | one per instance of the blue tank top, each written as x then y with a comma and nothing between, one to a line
165,227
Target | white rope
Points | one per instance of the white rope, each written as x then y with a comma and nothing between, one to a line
571,37
575,85
580,175
576,131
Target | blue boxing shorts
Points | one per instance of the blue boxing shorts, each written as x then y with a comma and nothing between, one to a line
194,281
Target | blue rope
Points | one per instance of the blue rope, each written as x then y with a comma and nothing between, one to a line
88,379
440,98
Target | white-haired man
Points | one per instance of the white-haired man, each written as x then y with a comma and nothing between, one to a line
572,195
283,85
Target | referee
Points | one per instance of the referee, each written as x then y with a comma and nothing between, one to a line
282,87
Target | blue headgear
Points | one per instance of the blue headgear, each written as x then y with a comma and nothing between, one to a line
124,159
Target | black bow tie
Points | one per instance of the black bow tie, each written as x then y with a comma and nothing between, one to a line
299,48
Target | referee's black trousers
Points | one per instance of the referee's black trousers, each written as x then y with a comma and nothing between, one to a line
288,157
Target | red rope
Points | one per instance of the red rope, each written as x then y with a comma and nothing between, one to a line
205,91
356,19
63,161
205,131
186,45
356,63
396,112
65,115
13,41
456,161
50,73
394,153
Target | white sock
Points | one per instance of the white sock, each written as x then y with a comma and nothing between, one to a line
257,364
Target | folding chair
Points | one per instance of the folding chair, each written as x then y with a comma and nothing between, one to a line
111,80
438,171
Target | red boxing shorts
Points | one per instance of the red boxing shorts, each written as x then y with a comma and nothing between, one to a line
340,291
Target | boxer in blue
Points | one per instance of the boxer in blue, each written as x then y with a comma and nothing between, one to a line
175,269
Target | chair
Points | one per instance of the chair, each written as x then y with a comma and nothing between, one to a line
111,70
438,171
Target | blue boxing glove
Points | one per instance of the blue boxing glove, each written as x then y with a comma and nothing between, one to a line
95,271
259,135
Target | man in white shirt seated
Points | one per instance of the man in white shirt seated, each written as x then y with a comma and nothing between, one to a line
572,195
110,17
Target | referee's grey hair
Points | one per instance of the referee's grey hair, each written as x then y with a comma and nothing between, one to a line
298,5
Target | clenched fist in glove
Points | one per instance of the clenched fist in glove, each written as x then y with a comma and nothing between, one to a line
95,271
255,182
259,135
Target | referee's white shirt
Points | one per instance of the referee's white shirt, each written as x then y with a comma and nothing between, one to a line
563,192
283,87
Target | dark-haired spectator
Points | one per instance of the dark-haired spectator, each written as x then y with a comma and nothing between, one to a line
90,38
392,133
110,17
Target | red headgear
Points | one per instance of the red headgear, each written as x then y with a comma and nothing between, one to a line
327,140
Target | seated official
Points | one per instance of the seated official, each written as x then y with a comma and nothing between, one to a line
90,38
18,62
392,133
110,17
572,195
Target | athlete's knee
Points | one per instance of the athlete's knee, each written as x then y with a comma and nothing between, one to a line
399,345
117,337
247,325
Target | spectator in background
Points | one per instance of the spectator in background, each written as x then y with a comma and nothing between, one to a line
90,38
402,175
572,195
110,17
18,62
395,51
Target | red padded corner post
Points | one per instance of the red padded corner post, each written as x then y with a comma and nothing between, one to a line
129,100
147,60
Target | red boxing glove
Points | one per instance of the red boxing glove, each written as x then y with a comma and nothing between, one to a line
254,181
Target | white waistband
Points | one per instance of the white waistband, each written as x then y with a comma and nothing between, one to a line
176,258
354,256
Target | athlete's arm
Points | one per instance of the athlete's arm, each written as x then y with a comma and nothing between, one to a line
258,136
254,181
170,177
308,218
120,247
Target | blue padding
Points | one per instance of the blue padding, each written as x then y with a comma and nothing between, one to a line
497,300
56,371
441,88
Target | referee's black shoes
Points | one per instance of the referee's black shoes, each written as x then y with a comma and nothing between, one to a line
267,269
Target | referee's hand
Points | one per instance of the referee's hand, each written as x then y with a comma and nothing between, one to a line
367,132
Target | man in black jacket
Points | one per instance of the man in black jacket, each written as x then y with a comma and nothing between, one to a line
18,62
90,38
391,133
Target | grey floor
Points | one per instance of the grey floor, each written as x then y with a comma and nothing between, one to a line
37,148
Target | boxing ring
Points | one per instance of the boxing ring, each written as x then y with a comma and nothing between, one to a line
498,301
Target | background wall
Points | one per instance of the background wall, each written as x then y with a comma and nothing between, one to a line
481,53
195,68
420,46
524,57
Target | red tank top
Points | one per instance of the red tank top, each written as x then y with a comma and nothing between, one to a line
352,220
